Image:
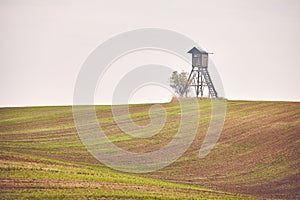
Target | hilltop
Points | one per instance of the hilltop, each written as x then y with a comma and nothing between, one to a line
257,155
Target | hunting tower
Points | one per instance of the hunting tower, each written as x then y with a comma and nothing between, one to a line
199,76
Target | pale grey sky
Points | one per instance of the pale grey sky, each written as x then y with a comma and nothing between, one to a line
44,43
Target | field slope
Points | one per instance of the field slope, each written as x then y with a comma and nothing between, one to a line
257,155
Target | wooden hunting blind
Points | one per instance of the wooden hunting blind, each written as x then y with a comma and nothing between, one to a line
199,76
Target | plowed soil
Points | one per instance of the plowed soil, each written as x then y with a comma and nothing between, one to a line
257,155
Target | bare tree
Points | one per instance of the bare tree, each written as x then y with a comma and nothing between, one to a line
179,83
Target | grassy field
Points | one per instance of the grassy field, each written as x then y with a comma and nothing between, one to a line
257,156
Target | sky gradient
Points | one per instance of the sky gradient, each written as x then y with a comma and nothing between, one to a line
44,43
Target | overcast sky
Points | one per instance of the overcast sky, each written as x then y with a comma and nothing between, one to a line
256,44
